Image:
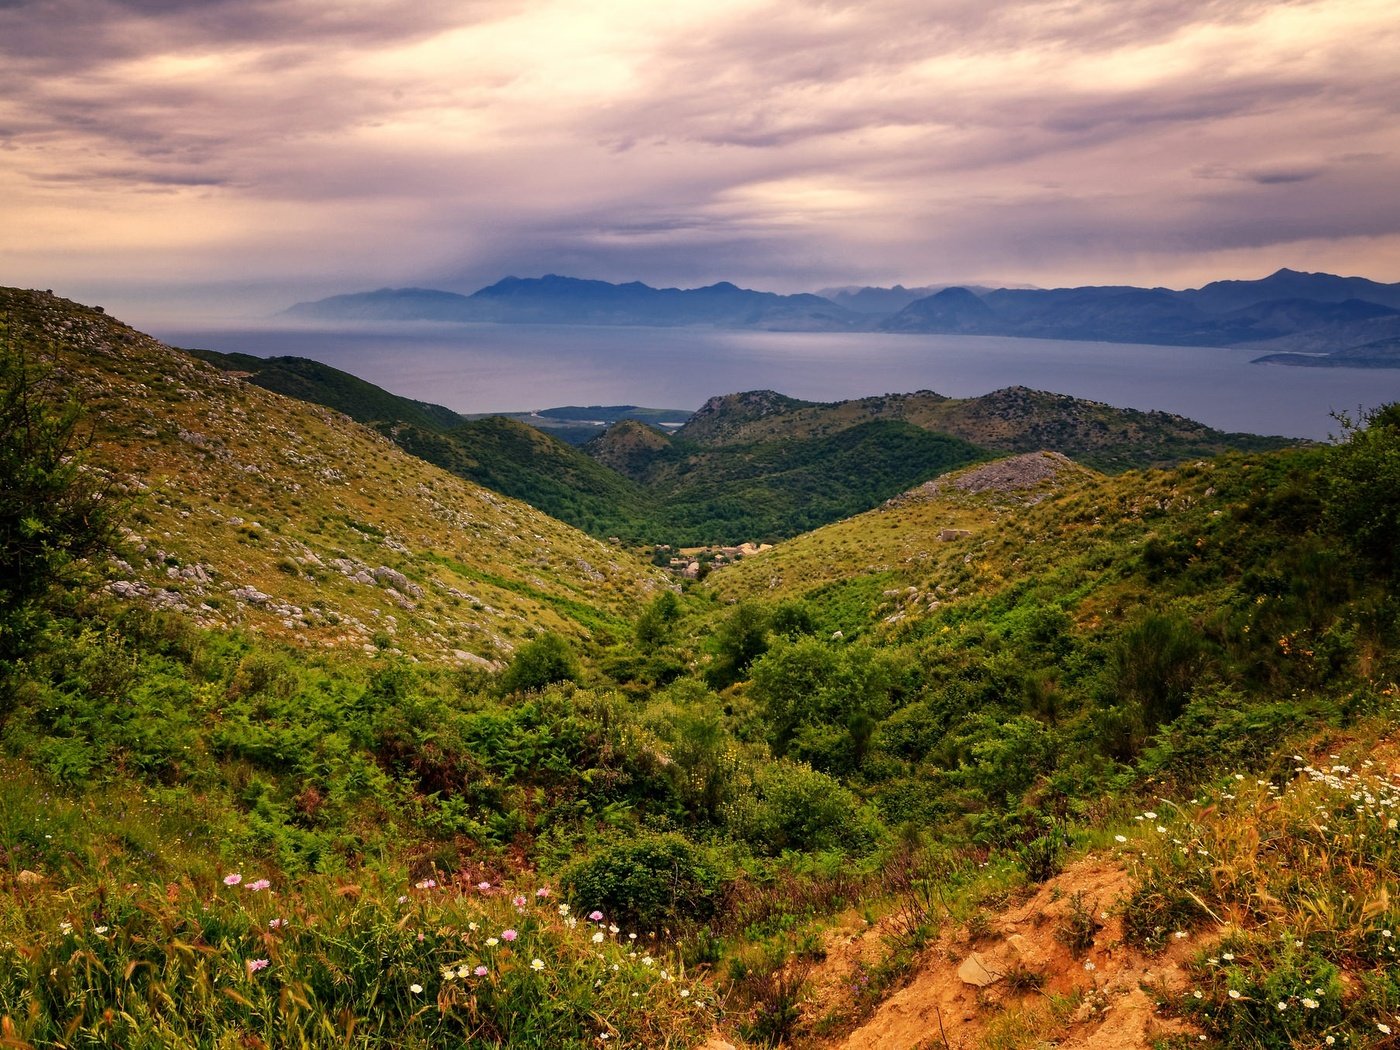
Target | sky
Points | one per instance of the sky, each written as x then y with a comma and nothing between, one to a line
193,158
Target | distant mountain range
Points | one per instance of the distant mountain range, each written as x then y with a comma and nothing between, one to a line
1316,319
568,300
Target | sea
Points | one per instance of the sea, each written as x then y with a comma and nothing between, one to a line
475,368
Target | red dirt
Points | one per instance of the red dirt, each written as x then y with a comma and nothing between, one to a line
939,1009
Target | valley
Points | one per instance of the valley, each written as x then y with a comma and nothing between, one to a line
1042,722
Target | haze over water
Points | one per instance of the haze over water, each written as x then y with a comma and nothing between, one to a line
510,368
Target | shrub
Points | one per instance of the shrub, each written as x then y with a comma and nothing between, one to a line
52,510
739,640
656,881
654,625
794,807
544,661
1155,665
1363,485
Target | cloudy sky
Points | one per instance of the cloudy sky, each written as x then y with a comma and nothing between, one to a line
238,155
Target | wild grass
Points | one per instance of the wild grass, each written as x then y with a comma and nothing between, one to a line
329,962
1299,875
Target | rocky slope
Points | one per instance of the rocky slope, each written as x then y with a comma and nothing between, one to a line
255,510
1016,419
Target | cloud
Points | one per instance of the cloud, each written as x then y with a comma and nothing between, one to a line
769,141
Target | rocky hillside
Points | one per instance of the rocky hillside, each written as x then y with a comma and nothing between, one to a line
1016,419
629,447
256,510
723,419
930,529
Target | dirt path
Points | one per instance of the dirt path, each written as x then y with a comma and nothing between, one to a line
1023,978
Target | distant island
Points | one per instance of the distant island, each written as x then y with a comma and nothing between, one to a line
1305,319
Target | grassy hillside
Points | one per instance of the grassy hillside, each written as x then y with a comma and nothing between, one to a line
504,455
1128,740
321,384
252,509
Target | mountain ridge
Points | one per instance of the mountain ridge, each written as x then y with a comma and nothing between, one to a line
1287,303
556,299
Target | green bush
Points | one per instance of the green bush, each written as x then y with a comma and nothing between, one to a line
740,639
794,807
1363,485
53,511
654,625
1155,664
544,661
654,882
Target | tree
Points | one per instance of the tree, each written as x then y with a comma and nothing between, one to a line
54,511
654,625
1363,485
741,638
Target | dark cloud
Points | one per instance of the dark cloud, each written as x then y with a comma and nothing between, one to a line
130,177
64,36
775,142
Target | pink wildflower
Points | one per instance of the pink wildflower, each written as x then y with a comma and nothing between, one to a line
480,971
233,879
519,901
594,916
542,892
509,935
260,884
483,886
254,965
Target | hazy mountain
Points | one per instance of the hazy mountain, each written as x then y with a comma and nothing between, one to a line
1224,313
1221,296
1382,353
951,310
879,301
553,299
882,302
1332,338
387,304
1227,313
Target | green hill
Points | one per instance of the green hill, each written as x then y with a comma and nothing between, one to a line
321,384
531,465
1015,419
